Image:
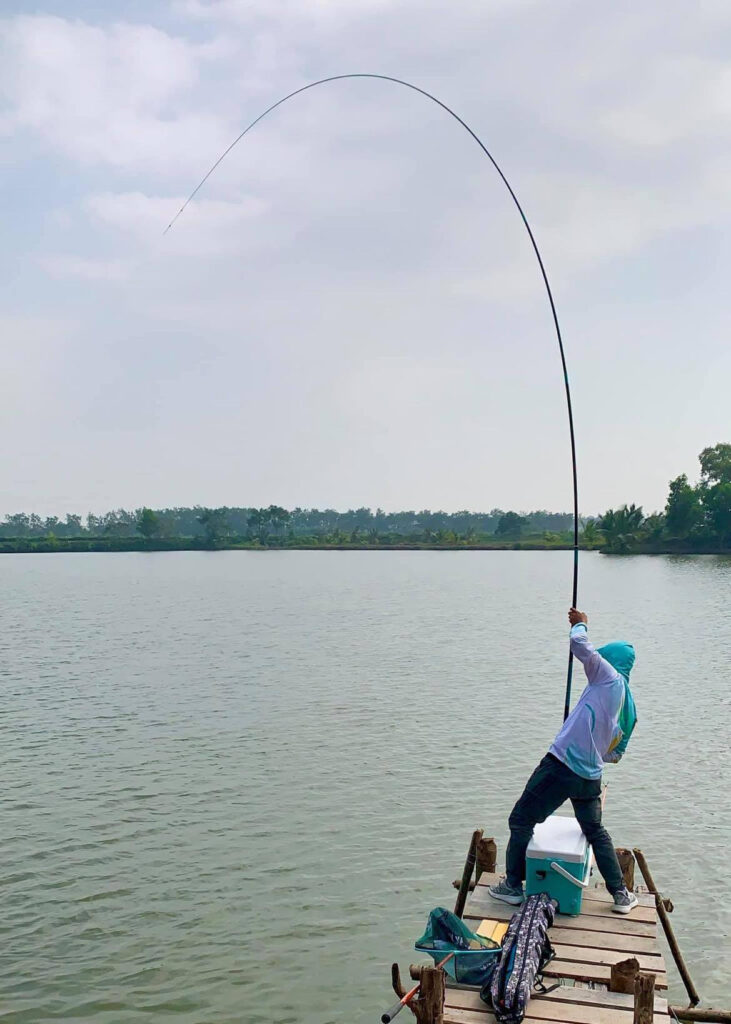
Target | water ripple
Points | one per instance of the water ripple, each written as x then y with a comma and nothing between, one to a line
234,785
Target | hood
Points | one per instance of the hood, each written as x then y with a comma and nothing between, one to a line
620,656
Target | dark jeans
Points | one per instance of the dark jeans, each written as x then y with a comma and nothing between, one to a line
547,788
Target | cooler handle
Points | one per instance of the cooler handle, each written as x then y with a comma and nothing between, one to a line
569,877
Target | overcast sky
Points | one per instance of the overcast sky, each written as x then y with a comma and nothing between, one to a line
350,312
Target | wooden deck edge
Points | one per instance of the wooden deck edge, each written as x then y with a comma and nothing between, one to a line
483,1016
572,994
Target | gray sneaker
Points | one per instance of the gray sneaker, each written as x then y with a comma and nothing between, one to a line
507,893
624,901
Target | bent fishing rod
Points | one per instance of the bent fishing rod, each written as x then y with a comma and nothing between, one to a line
544,275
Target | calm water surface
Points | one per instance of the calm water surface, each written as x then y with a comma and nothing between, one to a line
234,784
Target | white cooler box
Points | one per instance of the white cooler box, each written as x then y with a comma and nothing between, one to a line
558,862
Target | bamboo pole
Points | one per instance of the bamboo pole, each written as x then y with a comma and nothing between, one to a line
668,904
705,1014
668,929
469,867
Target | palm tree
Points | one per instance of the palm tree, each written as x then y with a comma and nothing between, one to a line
591,534
621,527
654,526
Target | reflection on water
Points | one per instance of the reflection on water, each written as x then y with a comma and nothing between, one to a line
234,784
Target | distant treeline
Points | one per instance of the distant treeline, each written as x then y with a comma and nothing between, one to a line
696,518
276,526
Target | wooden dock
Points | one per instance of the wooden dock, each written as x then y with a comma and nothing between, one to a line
608,967
586,948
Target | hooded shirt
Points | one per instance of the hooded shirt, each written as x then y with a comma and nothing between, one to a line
598,729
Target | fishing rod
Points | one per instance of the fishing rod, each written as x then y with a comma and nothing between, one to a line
544,275
388,1016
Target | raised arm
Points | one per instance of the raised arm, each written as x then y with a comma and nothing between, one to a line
598,671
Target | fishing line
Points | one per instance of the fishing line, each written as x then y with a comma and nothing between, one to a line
554,314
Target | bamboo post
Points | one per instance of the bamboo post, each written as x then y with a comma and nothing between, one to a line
668,929
429,1006
644,997
486,858
627,864
644,868
469,866
705,1014
485,861
623,975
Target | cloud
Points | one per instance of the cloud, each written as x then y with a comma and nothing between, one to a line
33,353
145,216
581,226
355,264
65,266
245,11
122,96
686,98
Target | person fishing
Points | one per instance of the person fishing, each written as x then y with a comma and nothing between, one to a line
595,733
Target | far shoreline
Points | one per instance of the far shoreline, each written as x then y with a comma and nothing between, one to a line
43,547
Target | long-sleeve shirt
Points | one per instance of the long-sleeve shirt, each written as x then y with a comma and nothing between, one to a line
591,731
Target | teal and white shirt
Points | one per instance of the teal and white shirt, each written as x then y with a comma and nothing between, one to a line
593,734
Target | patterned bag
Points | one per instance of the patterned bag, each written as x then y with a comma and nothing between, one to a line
526,951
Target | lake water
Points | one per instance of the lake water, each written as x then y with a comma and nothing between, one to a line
235,783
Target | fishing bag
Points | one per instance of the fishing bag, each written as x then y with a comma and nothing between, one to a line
526,951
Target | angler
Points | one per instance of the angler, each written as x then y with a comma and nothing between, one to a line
595,733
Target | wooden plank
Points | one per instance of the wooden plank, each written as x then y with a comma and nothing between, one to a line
460,1015
453,1015
607,922
604,940
595,908
591,997
577,971
588,955
588,972
546,1009
598,997
622,924
598,892
456,1015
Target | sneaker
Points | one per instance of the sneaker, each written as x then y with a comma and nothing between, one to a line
507,893
624,901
